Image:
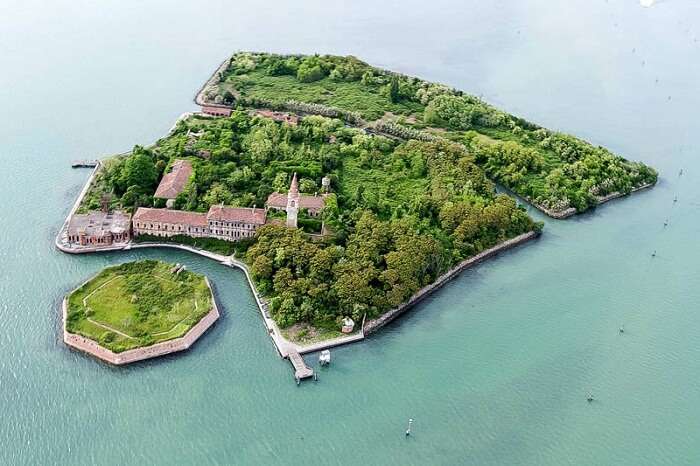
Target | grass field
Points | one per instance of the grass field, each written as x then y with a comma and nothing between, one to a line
347,95
138,304
553,170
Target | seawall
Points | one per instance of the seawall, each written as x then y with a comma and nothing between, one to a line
379,322
199,96
93,348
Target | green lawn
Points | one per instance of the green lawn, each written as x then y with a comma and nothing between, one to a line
138,304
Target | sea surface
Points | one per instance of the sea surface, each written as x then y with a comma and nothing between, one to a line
494,369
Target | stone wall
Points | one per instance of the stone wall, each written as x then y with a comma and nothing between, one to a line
89,346
387,317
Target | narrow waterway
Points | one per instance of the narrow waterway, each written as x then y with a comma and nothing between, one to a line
495,368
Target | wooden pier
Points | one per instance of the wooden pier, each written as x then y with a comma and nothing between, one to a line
84,163
301,370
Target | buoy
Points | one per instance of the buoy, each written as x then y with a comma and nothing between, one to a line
666,223
653,254
590,398
622,329
408,430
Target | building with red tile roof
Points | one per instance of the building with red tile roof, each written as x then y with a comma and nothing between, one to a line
234,223
174,182
227,223
166,222
237,214
216,111
293,201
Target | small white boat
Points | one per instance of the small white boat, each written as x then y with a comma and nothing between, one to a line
325,357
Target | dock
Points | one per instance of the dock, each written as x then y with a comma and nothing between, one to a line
301,370
84,163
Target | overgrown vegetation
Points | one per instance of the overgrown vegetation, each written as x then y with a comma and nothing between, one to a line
555,171
401,212
138,304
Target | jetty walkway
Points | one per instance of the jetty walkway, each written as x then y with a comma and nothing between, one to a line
286,348
301,370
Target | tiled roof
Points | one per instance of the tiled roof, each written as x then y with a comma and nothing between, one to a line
279,201
312,202
173,183
237,214
180,217
216,110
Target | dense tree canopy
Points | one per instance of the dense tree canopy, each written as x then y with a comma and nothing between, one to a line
553,170
401,213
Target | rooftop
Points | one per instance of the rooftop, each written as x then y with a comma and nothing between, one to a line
237,214
215,110
182,217
174,183
279,200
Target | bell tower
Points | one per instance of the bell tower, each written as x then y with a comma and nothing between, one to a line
293,203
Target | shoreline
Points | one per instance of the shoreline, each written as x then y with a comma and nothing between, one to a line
284,346
93,348
571,211
420,295
617,195
198,97
557,215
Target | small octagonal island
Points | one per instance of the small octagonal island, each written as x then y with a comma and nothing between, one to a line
138,310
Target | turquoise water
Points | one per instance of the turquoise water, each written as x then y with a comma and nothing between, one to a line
494,369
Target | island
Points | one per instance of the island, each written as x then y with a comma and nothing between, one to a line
345,193
138,310
557,173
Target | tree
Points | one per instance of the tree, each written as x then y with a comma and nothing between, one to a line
260,145
394,95
139,171
308,73
307,186
262,268
280,183
218,194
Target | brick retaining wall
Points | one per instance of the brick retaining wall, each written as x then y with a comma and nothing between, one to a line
379,322
138,354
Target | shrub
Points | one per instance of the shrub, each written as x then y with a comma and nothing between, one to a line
309,74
